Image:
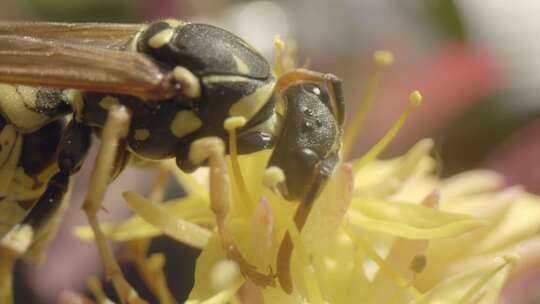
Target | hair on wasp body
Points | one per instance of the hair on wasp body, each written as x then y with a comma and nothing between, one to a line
149,91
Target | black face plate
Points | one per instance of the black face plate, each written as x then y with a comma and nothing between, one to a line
206,50
309,140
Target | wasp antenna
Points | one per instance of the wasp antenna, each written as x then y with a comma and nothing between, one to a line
383,58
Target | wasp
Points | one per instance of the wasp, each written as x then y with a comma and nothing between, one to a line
149,91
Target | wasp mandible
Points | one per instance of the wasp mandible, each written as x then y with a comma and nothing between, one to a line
149,91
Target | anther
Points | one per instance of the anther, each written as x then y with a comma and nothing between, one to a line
418,263
234,122
273,176
383,58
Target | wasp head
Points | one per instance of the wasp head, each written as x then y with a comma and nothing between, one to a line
307,149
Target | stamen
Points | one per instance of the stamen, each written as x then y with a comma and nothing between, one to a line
384,268
154,266
7,261
381,59
415,100
273,176
280,47
223,273
94,284
231,124
418,263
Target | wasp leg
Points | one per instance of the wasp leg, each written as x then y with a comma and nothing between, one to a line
115,130
212,149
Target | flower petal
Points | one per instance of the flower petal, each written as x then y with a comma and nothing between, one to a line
207,287
177,228
192,209
328,211
481,284
471,182
409,221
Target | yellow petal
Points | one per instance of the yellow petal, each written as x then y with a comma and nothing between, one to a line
135,228
409,221
277,295
489,205
328,211
471,182
340,271
177,228
383,177
521,222
192,209
399,258
481,284
205,288
515,222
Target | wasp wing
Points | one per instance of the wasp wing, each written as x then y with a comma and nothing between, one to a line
104,35
62,60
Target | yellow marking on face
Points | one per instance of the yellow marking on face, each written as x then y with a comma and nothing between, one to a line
108,102
249,105
189,82
141,134
185,122
241,66
161,38
11,143
13,105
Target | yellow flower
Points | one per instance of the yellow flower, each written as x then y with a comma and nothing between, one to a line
382,231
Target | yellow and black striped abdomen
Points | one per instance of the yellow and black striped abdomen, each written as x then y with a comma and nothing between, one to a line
27,148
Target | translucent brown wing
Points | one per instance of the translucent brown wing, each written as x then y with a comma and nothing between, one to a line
104,35
33,56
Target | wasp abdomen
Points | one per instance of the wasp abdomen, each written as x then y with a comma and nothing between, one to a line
28,161
31,124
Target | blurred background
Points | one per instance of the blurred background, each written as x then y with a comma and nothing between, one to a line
477,64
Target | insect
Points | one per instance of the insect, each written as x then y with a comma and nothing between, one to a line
149,91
